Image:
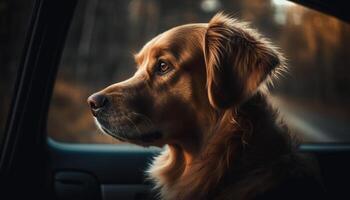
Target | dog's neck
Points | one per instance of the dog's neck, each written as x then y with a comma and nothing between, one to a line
181,172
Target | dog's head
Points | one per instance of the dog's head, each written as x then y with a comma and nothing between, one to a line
185,77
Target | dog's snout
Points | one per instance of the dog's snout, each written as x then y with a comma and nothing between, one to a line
97,102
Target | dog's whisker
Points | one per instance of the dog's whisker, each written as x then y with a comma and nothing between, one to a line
145,118
136,127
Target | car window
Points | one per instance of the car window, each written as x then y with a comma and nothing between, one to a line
313,94
14,20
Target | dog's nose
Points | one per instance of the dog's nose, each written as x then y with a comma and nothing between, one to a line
97,102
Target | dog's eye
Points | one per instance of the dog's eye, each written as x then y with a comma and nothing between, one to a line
162,68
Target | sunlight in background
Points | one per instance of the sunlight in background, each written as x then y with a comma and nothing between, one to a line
284,3
210,5
281,10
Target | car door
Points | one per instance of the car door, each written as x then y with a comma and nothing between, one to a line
23,153
42,167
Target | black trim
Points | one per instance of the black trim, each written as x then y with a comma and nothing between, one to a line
336,8
23,159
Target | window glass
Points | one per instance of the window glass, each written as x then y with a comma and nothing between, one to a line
14,20
313,95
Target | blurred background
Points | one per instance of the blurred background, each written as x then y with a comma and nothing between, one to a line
314,96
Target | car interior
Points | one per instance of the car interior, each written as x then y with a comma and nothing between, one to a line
34,164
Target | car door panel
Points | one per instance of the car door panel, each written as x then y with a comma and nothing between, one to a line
118,169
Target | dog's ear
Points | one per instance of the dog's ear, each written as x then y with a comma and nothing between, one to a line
237,61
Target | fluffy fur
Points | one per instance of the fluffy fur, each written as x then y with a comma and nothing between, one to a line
248,150
199,89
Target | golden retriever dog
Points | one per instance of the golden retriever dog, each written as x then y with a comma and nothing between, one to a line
198,89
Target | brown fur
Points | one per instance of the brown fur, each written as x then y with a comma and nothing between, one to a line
224,140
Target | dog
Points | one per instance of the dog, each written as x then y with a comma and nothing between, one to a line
200,89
